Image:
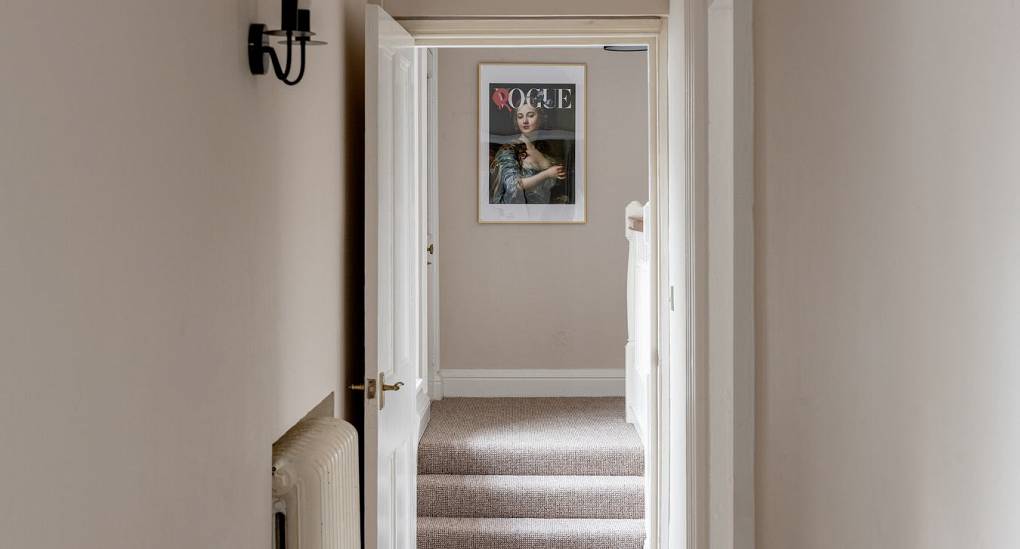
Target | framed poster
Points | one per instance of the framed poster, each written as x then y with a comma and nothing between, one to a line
531,143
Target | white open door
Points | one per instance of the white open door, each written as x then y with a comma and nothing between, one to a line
393,245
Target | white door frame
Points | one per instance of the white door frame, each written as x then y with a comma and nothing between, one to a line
731,367
711,256
692,505
428,386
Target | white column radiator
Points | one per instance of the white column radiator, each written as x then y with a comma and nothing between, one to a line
315,486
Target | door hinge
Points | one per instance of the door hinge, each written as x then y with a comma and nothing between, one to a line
671,302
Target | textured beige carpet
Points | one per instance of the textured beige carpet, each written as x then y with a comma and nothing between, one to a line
530,436
530,473
476,496
497,533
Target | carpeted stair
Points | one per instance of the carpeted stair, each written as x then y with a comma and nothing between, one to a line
530,473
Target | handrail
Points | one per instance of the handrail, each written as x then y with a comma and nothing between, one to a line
636,224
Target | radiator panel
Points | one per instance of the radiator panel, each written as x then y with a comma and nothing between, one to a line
315,480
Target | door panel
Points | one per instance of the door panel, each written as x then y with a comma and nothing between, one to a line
392,282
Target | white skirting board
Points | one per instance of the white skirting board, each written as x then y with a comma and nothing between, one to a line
532,383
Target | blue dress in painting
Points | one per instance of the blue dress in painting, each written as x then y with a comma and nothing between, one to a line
505,174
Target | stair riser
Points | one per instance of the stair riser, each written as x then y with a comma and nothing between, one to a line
451,541
531,497
528,534
550,461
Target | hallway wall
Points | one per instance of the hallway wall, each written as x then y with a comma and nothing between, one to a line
888,192
172,280
539,296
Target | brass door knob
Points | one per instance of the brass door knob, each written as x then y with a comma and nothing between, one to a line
368,387
386,387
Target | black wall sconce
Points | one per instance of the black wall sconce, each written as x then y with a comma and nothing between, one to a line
295,25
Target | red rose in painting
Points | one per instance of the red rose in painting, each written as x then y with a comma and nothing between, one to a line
501,97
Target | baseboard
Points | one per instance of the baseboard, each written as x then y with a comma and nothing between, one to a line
533,383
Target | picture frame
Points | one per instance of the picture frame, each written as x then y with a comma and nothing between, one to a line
532,143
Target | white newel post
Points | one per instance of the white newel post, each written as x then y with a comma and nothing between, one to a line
637,324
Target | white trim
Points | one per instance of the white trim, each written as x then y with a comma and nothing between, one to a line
657,450
436,386
424,416
546,32
435,382
731,368
684,414
422,385
533,383
717,278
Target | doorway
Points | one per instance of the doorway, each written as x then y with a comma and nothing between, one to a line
383,499
533,318
645,33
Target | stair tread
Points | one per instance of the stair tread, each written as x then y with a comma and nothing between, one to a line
556,496
530,436
529,533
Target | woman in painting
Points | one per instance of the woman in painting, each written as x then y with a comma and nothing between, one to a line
524,172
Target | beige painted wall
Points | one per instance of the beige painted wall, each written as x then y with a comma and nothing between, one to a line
888,193
539,296
493,8
170,266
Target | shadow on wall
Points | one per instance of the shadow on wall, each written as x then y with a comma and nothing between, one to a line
353,286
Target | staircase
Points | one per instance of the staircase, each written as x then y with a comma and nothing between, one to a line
530,473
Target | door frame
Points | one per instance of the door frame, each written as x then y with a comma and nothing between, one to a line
651,33
712,258
704,177
428,387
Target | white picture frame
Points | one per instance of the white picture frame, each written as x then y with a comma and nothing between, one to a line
532,146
